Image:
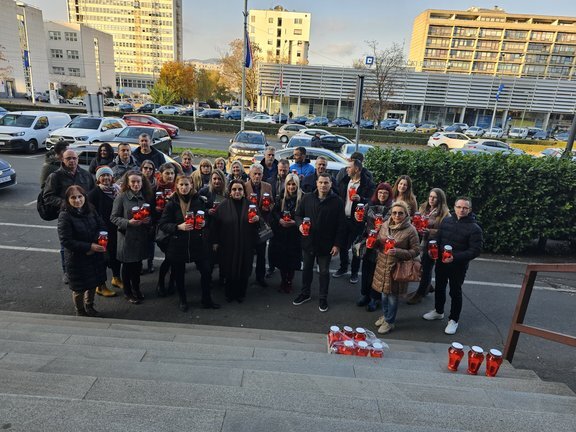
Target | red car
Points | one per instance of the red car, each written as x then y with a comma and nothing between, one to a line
146,120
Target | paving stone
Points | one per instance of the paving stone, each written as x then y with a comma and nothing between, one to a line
40,384
26,336
25,362
270,343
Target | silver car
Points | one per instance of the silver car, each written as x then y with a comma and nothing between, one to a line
287,131
335,161
492,146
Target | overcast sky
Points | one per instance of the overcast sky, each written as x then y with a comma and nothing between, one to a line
339,27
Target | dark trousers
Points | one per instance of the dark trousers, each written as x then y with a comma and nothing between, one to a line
308,270
426,278
131,278
454,275
353,229
368,268
260,252
235,289
179,268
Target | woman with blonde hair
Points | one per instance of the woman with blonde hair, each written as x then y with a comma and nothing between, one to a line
237,172
220,163
402,191
201,177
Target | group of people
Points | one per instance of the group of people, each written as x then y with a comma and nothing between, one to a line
284,216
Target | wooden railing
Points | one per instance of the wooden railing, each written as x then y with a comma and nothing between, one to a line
518,325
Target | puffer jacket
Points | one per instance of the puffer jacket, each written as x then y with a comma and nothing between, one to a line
407,247
464,235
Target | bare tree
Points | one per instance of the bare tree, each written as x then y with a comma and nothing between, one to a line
382,78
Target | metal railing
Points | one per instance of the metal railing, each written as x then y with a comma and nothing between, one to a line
518,325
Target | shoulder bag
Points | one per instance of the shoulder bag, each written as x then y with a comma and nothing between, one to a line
407,271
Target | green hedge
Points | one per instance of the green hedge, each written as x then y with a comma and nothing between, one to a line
517,199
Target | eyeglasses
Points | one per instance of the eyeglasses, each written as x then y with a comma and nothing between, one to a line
397,213
461,208
236,190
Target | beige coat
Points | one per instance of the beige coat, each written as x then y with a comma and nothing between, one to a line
407,247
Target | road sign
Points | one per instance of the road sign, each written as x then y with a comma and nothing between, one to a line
121,90
369,60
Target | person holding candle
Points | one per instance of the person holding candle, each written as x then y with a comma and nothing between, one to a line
233,234
201,177
285,251
435,210
102,198
324,238
188,242
405,246
220,163
133,231
464,235
237,172
78,227
402,191
354,189
377,211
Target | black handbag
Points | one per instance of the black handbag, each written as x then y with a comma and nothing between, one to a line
265,232
162,239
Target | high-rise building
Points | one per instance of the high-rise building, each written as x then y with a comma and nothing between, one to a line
146,35
283,36
494,42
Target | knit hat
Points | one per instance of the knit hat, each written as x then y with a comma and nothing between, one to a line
103,170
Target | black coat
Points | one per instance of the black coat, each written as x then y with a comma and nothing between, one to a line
269,174
185,246
464,235
77,231
155,156
103,205
285,250
60,180
327,223
308,183
235,237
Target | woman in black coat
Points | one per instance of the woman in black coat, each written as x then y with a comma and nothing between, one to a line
78,229
234,236
186,242
285,247
105,156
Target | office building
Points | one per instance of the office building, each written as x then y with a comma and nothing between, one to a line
283,36
146,35
494,42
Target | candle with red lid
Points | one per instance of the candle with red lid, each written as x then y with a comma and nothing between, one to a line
475,359
145,210
306,226
493,362
286,216
199,220
160,200
189,218
371,240
455,355
362,349
334,335
136,213
252,212
389,243
359,213
378,221
351,192
253,199
360,334
103,239
266,202
447,254
433,249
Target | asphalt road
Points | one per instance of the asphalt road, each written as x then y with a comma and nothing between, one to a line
30,281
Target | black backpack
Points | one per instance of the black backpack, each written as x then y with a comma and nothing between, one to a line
46,212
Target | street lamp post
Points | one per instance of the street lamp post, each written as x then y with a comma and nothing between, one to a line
27,52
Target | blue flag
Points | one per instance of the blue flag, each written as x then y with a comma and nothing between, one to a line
500,88
248,59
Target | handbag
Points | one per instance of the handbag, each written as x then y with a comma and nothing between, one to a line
407,271
162,239
265,232
359,248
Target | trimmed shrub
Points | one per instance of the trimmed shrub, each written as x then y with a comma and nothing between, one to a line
517,199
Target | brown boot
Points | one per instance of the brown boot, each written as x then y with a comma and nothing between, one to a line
415,299
78,299
104,291
89,303
117,282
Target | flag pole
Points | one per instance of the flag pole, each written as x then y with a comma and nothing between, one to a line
244,50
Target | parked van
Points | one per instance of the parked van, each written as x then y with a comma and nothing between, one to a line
28,130
520,133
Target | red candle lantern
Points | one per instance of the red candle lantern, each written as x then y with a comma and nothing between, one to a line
199,220
252,213
348,348
160,200
351,192
215,205
362,349
103,239
286,216
433,249
189,218
417,221
136,213
348,332
306,227
254,199
377,350
167,193
389,243
371,240
447,254
493,362
424,223
145,210
455,355
266,202
475,359
360,334
359,213
378,221
335,335
295,172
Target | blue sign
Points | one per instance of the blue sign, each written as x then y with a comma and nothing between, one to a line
121,90
369,60
500,88
26,59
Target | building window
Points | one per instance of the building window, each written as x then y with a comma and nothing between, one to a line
300,43
74,72
54,35
298,54
516,34
72,54
298,32
566,37
465,31
57,70
491,33
252,18
436,53
270,42
542,36
513,46
56,53
270,20
297,20
252,29
71,36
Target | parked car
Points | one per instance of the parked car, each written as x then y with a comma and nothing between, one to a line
87,152
87,129
427,128
260,118
244,145
494,132
341,122
76,101
492,146
541,135
456,127
519,133
159,137
314,131
288,130
148,107
29,130
125,107
406,127
366,124
348,149
448,140
232,115
335,161
330,142
210,113
7,174
561,136
389,124
300,120
317,121
3,111
551,152
475,131
533,131
166,109
283,118
146,120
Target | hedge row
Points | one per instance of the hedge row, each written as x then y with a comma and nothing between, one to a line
517,199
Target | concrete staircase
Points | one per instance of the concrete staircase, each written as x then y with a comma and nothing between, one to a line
61,373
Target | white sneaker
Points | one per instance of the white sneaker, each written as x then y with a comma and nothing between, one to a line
379,321
433,315
385,328
451,327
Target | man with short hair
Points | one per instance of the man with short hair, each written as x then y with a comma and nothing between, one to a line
147,152
277,183
257,186
52,161
186,162
326,232
123,162
270,165
354,156
308,184
316,141
301,165
465,236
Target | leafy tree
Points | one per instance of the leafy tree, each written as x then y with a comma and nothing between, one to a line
206,83
162,94
382,78
179,78
232,64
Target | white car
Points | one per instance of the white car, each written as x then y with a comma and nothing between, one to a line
448,140
313,131
474,131
87,129
260,118
76,101
167,109
29,130
495,132
520,133
406,127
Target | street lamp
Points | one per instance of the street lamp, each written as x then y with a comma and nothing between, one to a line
27,58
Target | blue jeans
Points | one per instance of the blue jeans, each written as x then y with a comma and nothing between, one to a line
389,307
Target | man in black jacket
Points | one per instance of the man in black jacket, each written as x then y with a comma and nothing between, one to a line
326,212
308,183
146,151
464,235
